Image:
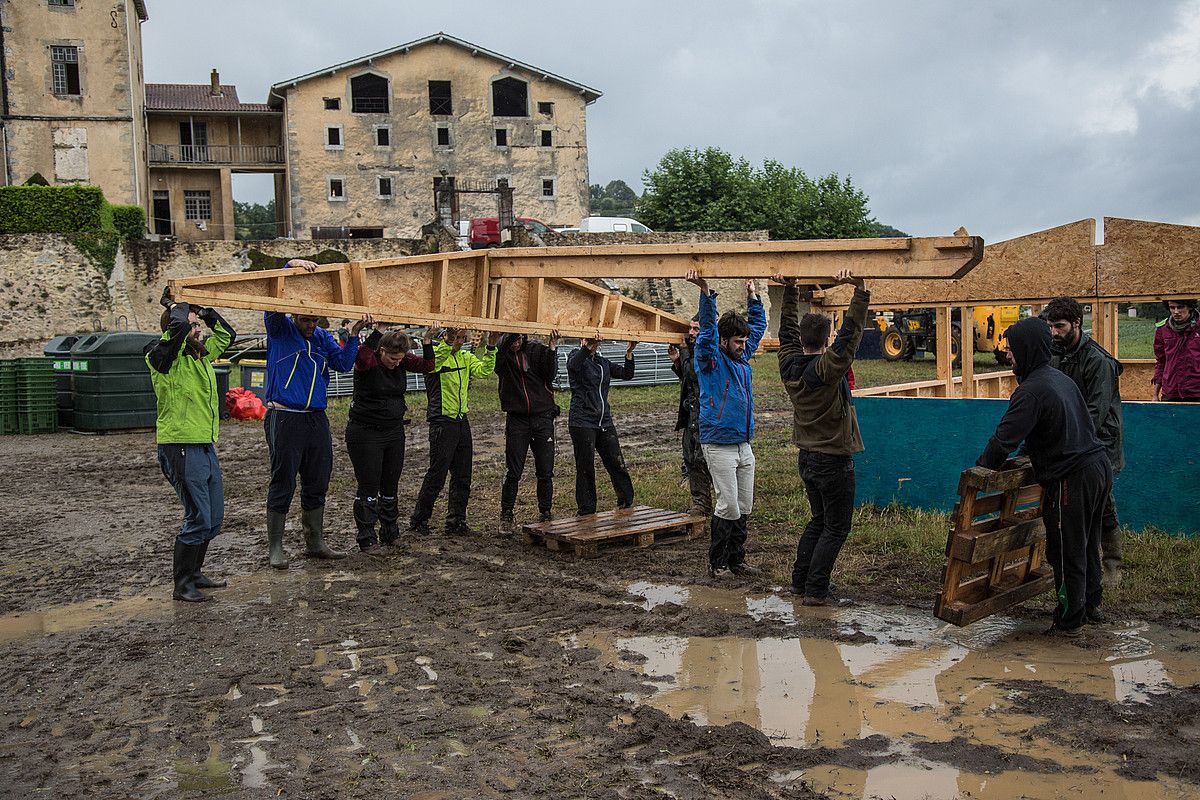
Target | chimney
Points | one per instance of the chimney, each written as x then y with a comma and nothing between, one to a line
215,91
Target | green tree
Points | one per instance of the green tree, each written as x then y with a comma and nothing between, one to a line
254,221
615,199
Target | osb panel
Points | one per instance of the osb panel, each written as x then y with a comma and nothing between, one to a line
407,289
459,298
514,299
1149,258
317,286
564,304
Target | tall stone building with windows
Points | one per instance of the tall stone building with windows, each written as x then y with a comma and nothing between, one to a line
370,140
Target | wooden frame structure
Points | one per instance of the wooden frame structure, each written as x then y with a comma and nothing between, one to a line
996,546
538,289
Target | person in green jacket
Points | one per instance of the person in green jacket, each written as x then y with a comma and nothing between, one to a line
187,427
450,449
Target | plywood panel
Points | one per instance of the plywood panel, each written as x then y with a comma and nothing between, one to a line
1149,259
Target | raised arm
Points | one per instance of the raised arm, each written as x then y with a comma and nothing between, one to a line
835,362
342,358
757,317
222,333
625,373
164,352
707,341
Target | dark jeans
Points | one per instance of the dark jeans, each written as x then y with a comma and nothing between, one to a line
299,443
696,469
378,458
522,433
450,451
829,482
1073,511
587,442
193,471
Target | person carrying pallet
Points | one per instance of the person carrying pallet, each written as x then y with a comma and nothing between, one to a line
722,362
186,431
824,427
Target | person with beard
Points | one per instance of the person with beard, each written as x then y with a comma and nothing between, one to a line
375,430
1098,376
695,469
1048,413
186,431
526,371
590,423
816,375
722,364
1177,354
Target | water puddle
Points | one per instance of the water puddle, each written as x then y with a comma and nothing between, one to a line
212,776
910,678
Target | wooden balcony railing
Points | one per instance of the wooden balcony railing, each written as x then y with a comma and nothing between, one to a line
216,154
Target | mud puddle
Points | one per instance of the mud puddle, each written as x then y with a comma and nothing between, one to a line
934,699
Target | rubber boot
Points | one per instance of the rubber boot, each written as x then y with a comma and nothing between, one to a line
199,579
389,524
275,523
184,569
718,547
366,514
313,522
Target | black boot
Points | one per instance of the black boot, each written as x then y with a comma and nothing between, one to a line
313,522
275,525
366,514
718,548
389,520
199,579
184,571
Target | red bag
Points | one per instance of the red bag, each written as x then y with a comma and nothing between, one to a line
244,404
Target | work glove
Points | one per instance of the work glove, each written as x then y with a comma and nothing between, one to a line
166,300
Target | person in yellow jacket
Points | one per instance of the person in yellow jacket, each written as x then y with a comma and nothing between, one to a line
450,448
186,430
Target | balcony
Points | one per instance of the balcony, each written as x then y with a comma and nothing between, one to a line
208,155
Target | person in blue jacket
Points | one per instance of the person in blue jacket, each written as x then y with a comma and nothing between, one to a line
299,355
722,360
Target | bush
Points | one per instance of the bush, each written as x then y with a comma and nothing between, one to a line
52,209
130,221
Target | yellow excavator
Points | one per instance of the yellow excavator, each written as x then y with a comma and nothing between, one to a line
914,331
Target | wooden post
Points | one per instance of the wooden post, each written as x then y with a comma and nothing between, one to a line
441,280
945,362
967,348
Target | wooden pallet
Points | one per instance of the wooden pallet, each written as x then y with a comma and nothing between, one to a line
996,546
641,526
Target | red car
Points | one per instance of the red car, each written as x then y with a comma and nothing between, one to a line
485,231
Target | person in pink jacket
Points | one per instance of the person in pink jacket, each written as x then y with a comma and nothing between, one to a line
1177,354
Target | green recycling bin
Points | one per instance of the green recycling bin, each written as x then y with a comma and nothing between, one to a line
59,351
111,381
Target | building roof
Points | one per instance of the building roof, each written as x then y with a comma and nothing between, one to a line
590,95
197,97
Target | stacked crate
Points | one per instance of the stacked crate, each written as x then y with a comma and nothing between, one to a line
8,397
28,396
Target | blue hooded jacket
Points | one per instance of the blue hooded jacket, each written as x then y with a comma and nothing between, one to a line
297,368
726,388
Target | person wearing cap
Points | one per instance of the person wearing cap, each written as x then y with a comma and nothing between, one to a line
1177,354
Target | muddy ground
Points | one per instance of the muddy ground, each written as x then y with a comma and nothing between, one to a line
453,667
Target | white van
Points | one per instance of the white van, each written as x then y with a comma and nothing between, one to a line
611,225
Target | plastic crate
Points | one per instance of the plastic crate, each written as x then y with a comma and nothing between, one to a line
9,423
38,421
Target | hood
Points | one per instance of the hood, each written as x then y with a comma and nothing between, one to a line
1030,343
507,339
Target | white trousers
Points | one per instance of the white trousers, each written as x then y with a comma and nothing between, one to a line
732,470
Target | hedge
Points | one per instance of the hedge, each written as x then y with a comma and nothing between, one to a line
130,221
52,209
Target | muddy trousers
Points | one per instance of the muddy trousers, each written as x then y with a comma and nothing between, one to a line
377,454
829,483
696,470
450,452
299,443
194,474
522,433
1073,511
587,443
1111,552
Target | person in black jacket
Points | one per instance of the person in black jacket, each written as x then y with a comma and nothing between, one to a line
695,468
1098,376
591,425
1048,413
526,371
375,430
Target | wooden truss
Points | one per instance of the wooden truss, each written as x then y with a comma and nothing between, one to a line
538,289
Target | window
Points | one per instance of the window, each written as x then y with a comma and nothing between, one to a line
333,137
501,137
383,136
369,94
443,136
546,108
503,181
337,189
440,99
333,103
63,3
548,188
510,98
385,188
546,137
640,228
197,206
64,69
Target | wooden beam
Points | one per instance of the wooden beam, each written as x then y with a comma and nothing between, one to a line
967,348
945,361
441,281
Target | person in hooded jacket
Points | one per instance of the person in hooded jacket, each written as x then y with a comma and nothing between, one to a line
1177,354
722,363
688,420
375,430
591,425
1098,376
526,370
1048,413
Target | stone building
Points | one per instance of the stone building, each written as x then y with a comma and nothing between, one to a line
72,94
369,140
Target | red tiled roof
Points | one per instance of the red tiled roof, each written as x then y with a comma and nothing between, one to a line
196,97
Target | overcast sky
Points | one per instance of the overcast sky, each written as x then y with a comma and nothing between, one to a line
1004,117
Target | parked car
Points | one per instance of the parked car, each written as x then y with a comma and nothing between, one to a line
485,231
567,229
611,225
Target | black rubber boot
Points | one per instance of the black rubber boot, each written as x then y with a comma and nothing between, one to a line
389,524
275,524
366,514
199,579
313,522
184,571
